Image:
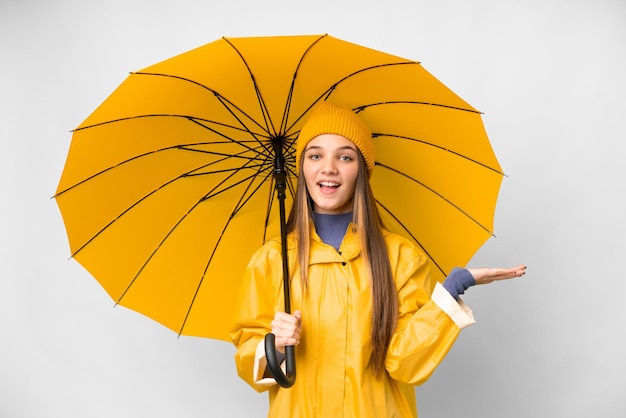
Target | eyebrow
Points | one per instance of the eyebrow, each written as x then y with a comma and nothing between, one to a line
344,147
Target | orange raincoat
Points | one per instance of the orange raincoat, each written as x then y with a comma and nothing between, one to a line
333,379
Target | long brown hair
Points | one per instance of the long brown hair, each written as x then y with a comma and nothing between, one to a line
374,251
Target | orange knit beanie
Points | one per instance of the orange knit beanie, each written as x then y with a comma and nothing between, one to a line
327,118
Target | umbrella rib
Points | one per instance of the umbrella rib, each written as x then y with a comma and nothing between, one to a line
287,108
169,115
183,147
262,166
430,189
269,125
215,193
180,146
363,107
327,93
91,177
246,129
390,213
245,197
222,99
183,175
174,227
430,144
192,119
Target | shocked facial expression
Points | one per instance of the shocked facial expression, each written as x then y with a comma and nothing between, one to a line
330,166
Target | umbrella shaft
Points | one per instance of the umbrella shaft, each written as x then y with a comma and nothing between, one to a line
280,185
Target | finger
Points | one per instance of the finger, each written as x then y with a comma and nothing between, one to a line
516,271
285,317
489,275
288,340
285,330
281,343
298,316
284,338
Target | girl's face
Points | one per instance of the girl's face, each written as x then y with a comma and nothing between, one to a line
330,166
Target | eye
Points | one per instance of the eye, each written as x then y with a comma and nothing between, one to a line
345,158
314,156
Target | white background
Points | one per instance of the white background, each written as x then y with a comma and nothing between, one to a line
549,76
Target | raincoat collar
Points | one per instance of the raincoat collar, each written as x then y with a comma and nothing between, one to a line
324,253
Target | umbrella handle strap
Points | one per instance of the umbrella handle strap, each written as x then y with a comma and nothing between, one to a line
285,380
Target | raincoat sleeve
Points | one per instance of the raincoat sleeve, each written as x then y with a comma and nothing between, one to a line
429,321
257,302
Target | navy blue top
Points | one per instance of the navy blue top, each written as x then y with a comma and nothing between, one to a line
332,228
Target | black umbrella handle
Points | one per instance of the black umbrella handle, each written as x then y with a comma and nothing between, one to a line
287,379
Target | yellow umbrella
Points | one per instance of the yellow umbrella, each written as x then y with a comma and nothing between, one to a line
169,185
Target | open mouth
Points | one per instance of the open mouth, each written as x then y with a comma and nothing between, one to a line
328,185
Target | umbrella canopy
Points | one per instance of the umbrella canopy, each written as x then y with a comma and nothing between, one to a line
168,186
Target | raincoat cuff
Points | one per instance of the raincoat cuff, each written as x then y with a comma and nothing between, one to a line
260,364
458,311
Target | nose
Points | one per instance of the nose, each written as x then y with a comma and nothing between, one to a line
329,165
